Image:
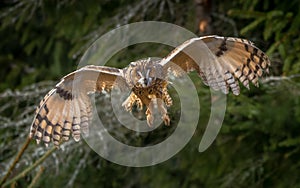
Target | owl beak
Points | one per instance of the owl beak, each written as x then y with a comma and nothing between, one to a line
149,81
145,82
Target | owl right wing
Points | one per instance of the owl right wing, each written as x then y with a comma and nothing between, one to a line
67,108
220,62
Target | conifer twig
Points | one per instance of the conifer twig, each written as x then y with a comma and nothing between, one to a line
36,177
18,157
24,172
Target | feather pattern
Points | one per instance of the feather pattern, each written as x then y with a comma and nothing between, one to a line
66,109
220,61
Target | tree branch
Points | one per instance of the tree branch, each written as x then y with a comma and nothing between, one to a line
18,157
24,172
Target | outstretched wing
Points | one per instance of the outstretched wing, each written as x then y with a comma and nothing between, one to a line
220,61
67,108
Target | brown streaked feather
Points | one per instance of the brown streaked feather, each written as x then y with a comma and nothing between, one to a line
57,132
76,120
85,117
67,107
220,61
52,117
39,113
67,123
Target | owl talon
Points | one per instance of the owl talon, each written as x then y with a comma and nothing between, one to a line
163,111
166,119
149,117
150,120
130,101
139,105
127,104
127,107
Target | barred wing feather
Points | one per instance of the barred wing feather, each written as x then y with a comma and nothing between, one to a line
220,62
67,108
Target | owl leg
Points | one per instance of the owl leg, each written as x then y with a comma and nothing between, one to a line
131,100
163,111
149,114
128,103
139,103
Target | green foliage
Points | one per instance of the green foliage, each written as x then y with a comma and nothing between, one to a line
49,37
278,22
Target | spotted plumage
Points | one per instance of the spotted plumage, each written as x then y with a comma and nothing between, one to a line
221,62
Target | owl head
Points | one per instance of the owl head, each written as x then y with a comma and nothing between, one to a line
143,73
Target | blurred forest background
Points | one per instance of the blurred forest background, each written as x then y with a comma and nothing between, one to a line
258,145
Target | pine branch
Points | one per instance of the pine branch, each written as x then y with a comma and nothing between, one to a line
280,78
24,172
18,157
36,177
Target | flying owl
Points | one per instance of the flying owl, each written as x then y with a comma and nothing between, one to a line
67,108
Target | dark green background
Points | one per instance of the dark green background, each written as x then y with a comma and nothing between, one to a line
258,145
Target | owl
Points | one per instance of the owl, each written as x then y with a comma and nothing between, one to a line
221,63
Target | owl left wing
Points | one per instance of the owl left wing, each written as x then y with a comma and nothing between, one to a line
67,108
220,62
